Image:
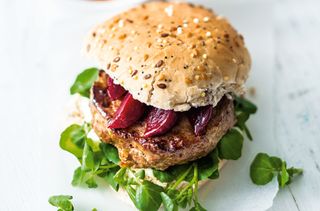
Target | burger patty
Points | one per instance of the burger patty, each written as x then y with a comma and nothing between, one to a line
177,146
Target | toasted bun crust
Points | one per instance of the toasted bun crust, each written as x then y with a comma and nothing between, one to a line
171,55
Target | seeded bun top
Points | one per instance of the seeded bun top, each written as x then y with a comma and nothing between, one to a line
171,55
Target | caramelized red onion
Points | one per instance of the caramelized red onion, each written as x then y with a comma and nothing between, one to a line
115,91
129,112
199,118
159,121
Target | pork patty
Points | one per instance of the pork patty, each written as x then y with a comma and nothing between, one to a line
177,146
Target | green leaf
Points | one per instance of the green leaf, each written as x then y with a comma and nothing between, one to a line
168,203
230,145
108,176
197,207
148,196
163,176
276,163
84,82
62,202
94,209
88,161
78,176
91,182
119,176
206,167
132,194
110,152
245,105
140,174
283,176
72,140
261,169
294,171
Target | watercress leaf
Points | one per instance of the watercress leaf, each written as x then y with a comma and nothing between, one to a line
72,140
168,203
206,167
132,194
78,176
197,207
230,145
283,176
108,176
163,176
110,152
62,202
294,171
91,182
88,161
148,196
261,169
245,105
140,174
119,176
94,145
276,163
214,175
84,82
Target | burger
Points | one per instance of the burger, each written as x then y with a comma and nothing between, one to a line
166,103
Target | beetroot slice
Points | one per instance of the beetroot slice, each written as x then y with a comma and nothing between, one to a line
159,121
115,91
129,111
199,118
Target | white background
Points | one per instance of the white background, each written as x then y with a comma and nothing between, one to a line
40,43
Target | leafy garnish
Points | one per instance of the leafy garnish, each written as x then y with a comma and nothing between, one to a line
84,81
264,168
230,145
62,202
244,108
97,159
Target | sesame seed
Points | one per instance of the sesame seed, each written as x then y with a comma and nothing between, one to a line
135,48
162,86
197,77
130,70
114,67
145,57
122,36
225,78
121,23
134,72
206,19
135,77
185,25
164,35
133,32
185,21
159,63
147,76
116,59
203,94
145,85
159,40
110,47
164,41
179,30
205,56
234,60
208,34
196,20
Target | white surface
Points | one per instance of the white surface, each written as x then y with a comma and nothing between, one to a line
39,55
